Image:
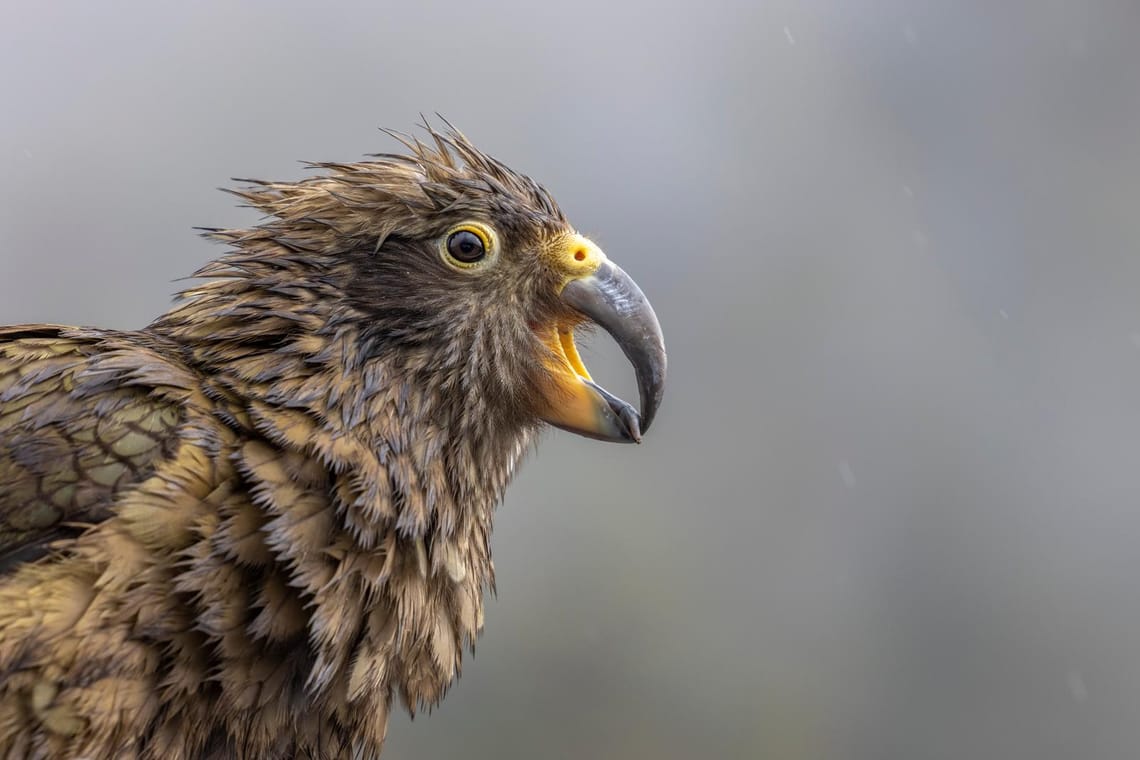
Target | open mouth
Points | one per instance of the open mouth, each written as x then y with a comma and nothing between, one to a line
599,292
567,350
585,407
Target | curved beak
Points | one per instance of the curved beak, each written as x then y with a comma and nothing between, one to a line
610,298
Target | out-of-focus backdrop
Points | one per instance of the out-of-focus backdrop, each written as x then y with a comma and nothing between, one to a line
891,508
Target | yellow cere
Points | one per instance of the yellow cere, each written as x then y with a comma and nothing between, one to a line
575,255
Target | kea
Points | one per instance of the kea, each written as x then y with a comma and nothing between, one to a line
248,529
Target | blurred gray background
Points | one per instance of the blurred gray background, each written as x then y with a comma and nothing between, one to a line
892,505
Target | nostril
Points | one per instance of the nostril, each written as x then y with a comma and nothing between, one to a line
579,255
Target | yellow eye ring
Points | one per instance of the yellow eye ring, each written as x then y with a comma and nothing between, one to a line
468,245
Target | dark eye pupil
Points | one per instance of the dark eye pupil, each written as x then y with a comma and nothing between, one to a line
465,246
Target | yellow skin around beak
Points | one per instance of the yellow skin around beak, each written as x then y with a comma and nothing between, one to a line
599,291
570,402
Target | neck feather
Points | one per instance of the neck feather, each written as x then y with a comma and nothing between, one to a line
375,484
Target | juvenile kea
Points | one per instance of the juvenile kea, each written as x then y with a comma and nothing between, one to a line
244,530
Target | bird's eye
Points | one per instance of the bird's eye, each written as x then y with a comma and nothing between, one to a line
467,245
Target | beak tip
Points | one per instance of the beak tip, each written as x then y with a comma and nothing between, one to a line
630,419
652,389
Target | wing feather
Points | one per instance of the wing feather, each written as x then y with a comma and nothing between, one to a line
84,414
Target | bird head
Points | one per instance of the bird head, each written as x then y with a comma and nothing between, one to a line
444,261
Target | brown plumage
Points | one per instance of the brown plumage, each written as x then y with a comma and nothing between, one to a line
244,530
